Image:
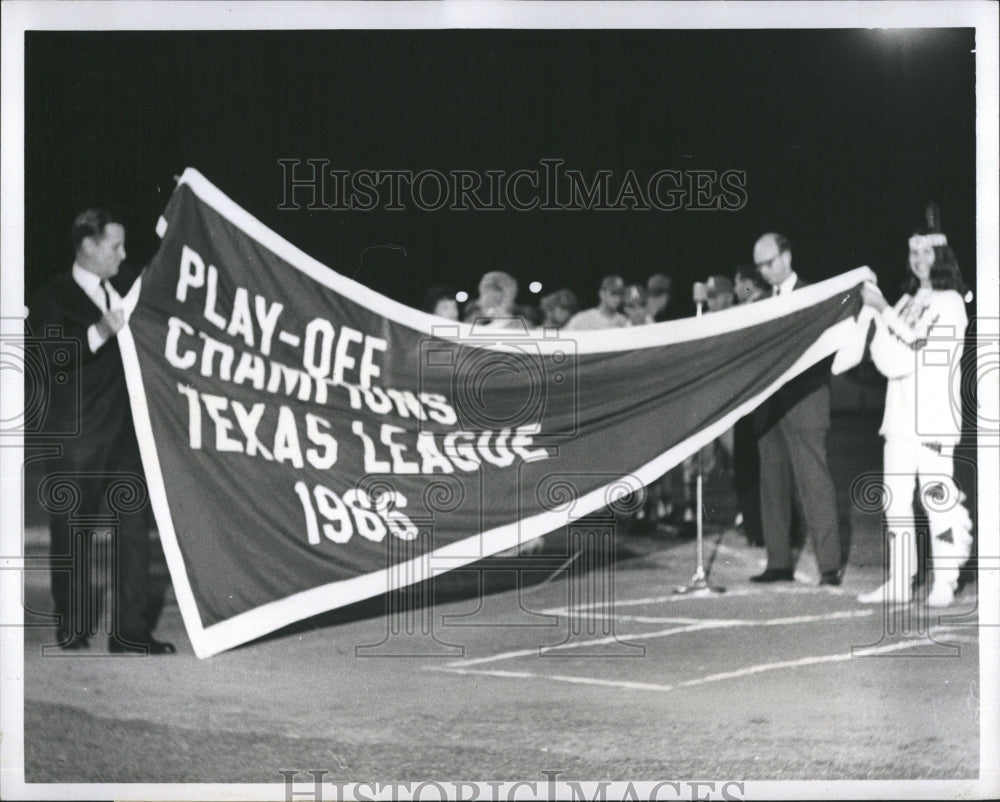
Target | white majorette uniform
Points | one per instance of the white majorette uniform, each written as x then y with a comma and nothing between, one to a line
918,347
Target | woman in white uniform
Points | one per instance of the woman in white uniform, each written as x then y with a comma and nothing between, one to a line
917,345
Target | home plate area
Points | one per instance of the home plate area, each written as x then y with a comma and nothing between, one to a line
671,642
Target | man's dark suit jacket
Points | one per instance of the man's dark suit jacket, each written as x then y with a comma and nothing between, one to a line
104,449
95,393
803,401
793,426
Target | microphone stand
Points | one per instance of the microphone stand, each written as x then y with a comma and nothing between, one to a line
699,582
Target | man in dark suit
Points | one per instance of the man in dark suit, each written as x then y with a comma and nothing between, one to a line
97,473
793,426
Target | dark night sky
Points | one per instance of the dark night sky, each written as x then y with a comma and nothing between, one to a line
843,136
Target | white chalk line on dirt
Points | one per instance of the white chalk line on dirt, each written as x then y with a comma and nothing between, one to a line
719,677
703,624
795,590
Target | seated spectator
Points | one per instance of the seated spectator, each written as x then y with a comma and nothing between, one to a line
607,314
750,284
720,293
558,307
530,314
440,301
495,306
659,289
636,309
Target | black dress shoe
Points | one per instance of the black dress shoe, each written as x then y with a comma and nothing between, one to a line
832,578
147,645
775,575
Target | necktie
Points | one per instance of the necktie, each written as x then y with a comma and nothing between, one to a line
107,296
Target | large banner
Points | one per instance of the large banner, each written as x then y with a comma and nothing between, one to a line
309,443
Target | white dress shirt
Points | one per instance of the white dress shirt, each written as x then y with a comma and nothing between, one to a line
786,286
94,287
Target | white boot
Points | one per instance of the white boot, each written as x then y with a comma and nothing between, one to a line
898,588
951,544
950,548
943,592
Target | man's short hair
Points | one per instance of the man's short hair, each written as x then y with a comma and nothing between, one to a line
500,281
615,283
565,299
659,284
91,223
635,294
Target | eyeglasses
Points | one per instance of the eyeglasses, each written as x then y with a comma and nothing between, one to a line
767,262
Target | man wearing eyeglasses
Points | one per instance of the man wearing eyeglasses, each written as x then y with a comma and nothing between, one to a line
793,426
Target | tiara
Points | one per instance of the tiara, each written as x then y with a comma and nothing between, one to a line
928,240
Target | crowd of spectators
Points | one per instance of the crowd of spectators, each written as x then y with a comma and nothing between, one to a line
670,501
618,305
